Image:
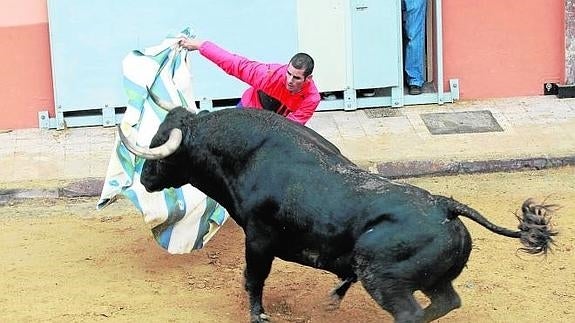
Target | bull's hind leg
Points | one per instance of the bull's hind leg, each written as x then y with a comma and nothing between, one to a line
443,298
394,296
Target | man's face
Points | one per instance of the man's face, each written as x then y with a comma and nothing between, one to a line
295,79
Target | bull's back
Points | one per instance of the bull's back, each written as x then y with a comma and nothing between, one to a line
331,200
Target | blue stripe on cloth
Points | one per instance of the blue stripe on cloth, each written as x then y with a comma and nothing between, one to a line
205,223
163,236
175,203
160,58
219,215
133,197
135,92
125,158
176,212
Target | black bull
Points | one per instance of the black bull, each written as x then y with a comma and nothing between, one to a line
298,198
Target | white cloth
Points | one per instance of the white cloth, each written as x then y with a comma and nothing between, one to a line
181,219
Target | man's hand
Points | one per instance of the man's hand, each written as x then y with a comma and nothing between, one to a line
190,44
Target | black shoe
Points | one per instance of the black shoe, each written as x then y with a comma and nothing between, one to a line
415,90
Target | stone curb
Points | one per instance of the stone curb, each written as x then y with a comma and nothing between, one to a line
395,170
392,170
80,188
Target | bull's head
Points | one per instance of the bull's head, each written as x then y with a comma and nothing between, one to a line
163,167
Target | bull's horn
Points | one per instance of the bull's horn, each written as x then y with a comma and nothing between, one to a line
159,102
163,151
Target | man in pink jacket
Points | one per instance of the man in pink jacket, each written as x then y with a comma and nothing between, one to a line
285,89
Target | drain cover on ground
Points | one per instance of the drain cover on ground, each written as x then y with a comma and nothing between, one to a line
460,122
382,113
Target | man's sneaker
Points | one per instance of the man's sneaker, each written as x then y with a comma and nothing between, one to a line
415,90
368,93
329,96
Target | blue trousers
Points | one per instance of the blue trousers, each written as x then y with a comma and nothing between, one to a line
414,12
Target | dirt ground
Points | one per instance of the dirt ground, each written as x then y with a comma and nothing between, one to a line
63,261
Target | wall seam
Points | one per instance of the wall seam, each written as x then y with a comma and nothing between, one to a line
569,41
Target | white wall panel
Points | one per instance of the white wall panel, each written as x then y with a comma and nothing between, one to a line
322,33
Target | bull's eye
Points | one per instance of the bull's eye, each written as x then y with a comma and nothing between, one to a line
166,163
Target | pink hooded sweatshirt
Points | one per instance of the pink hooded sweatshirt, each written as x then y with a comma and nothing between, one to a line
270,78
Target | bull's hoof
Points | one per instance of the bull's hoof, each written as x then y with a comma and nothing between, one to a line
261,318
332,303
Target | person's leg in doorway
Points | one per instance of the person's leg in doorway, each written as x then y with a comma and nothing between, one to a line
414,12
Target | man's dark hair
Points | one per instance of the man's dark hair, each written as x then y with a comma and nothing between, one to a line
302,61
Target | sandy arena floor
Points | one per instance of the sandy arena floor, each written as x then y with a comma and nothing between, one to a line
62,261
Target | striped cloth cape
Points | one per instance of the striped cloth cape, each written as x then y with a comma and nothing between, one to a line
181,219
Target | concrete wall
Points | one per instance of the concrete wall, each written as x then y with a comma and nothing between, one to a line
504,48
495,48
25,70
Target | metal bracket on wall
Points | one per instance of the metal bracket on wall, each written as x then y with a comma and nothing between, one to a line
60,123
206,104
454,89
397,96
349,99
108,117
43,120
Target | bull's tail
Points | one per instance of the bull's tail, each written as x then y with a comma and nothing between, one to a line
535,229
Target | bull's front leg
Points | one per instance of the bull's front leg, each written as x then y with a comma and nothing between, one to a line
258,265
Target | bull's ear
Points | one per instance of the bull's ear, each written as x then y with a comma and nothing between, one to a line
159,102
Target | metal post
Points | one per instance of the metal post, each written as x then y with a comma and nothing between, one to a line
349,96
438,23
397,92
